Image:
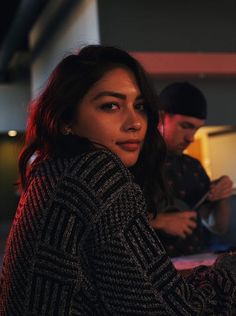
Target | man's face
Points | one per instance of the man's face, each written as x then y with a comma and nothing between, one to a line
179,130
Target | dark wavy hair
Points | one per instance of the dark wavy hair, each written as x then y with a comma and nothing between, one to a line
56,106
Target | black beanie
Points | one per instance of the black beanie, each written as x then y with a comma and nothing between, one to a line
183,98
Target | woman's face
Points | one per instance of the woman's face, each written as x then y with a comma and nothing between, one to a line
113,114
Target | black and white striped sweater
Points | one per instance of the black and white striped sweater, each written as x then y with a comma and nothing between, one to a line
80,244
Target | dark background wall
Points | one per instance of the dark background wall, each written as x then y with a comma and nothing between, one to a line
169,25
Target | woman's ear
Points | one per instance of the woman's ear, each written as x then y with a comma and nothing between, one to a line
66,130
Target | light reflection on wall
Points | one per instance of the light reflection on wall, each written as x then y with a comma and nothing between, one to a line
215,147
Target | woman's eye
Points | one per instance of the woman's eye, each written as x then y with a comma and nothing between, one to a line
109,106
140,107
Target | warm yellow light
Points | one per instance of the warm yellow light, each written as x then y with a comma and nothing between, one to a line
12,133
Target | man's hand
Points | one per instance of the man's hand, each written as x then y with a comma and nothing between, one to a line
178,224
220,189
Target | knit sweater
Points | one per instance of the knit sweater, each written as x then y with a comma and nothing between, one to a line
80,244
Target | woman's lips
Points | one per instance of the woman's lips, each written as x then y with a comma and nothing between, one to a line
130,145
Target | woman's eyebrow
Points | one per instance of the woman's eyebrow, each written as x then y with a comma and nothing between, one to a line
111,94
114,94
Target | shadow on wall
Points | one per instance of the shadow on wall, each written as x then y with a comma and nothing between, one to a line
9,151
228,240
230,236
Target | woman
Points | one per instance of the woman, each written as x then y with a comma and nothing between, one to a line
80,243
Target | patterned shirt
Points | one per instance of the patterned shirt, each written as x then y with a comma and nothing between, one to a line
188,182
81,244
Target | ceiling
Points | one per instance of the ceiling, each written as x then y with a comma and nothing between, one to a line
16,20
7,14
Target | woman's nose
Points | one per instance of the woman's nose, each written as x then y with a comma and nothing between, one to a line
132,122
136,126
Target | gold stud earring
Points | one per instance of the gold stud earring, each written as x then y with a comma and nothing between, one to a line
67,130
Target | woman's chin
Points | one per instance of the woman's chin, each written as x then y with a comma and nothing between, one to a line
129,161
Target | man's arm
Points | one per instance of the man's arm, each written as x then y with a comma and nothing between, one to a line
215,214
178,224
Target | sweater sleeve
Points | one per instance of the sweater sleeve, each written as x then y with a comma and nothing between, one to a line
134,275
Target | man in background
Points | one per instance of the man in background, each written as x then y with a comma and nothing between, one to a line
182,226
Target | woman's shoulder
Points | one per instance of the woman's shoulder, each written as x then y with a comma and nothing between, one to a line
97,171
102,172
97,163
88,166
